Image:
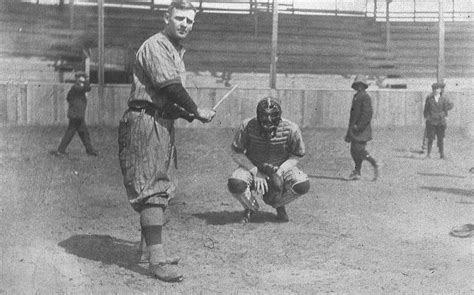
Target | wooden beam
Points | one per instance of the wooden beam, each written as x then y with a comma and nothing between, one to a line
100,70
387,25
273,66
71,14
441,70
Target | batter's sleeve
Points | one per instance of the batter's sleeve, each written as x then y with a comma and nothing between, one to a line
156,60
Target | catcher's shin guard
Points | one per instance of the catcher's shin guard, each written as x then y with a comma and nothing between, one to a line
292,193
247,199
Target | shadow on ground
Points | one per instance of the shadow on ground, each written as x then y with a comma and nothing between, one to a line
105,249
440,175
228,217
328,177
454,191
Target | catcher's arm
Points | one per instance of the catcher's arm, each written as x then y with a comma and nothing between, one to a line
292,161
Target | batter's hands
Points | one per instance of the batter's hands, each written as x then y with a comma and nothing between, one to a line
205,115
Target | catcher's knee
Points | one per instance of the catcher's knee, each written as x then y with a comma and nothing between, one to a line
301,188
236,186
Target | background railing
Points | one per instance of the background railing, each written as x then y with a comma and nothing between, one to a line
400,10
45,104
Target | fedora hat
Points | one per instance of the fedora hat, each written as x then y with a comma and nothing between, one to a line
360,79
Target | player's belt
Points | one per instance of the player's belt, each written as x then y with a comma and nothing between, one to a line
152,111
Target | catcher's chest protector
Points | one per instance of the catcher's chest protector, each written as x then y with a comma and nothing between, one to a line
272,151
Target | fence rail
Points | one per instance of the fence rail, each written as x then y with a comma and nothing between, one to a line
45,104
289,6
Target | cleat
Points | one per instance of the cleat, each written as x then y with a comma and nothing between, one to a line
354,175
164,273
281,214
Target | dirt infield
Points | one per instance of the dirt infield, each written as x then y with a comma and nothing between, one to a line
66,225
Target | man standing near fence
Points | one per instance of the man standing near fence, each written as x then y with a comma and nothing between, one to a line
359,131
77,101
146,139
435,112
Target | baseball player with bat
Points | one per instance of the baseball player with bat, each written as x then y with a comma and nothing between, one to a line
147,136
267,149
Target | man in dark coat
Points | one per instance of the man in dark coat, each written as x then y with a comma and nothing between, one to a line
435,112
359,131
77,101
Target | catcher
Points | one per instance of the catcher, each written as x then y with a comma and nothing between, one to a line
267,149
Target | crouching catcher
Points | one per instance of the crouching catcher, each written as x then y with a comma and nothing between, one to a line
267,149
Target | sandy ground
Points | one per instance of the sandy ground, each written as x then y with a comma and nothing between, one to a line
66,226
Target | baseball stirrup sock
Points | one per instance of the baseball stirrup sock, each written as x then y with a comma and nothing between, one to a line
152,234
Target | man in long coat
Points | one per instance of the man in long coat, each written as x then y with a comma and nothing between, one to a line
359,131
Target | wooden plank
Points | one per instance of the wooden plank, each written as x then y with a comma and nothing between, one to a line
44,104
3,103
292,103
40,104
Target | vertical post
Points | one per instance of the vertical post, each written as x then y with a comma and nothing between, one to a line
273,69
100,69
87,61
387,25
335,6
453,11
375,10
441,32
414,10
71,14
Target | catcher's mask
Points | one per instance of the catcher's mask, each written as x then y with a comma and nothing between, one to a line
268,116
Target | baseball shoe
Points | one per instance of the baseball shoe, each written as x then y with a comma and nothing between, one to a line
463,231
247,216
376,172
354,175
164,273
281,214
145,258
57,153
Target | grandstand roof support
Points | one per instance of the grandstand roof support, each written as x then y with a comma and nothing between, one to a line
441,70
387,25
71,14
273,68
100,70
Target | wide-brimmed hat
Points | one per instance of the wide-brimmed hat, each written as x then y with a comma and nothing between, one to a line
360,79
80,74
438,85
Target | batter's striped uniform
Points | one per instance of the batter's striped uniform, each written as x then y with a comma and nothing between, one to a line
146,142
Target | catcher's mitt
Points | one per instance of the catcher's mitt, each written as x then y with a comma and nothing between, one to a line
267,169
275,189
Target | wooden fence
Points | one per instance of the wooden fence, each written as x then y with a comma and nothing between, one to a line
45,104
